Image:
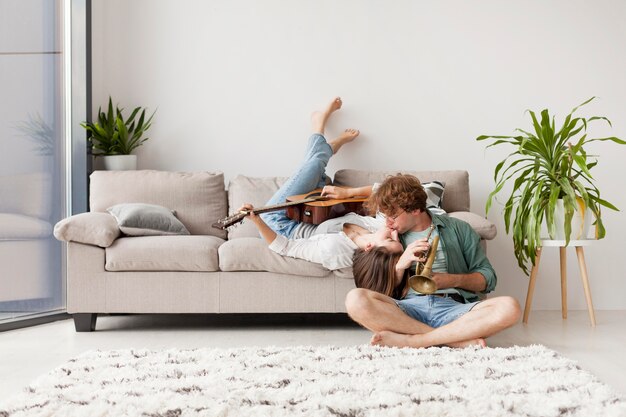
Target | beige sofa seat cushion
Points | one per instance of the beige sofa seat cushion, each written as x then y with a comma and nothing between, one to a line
252,254
486,229
164,253
199,198
99,229
455,198
255,191
19,227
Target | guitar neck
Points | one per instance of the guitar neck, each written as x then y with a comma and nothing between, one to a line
284,205
305,199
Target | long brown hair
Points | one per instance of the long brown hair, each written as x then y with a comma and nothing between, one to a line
376,270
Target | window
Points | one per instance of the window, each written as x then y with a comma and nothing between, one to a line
37,154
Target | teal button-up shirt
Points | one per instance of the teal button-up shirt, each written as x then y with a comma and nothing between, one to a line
461,246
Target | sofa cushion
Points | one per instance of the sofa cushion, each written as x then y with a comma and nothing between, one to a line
99,229
19,227
456,196
163,253
252,254
198,198
256,191
138,219
482,226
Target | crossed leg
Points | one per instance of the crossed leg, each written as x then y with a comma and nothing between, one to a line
392,327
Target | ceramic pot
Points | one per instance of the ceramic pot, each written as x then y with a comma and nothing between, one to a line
119,162
580,221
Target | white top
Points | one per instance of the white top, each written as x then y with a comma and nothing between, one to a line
333,251
333,248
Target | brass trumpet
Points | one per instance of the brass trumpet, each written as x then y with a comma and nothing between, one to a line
423,281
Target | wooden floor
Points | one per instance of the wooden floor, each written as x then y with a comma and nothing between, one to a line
28,353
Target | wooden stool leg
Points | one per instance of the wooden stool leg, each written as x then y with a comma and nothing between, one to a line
563,282
531,286
583,274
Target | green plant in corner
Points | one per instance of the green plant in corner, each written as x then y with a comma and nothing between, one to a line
111,134
545,166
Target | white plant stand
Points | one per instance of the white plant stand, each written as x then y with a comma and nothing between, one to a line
578,244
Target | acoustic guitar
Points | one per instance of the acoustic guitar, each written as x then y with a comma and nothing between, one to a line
305,208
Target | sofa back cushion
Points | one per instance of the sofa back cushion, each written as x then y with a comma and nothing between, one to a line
198,198
256,191
455,197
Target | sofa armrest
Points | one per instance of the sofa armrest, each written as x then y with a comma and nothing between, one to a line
98,229
484,228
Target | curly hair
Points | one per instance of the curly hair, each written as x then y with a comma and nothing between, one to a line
396,193
376,270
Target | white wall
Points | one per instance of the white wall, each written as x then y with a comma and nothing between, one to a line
235,82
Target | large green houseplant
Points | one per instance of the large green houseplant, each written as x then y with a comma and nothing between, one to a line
547,165
111,135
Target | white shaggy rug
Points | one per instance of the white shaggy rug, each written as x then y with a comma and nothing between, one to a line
318,381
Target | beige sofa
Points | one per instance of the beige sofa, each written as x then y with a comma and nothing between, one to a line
210,271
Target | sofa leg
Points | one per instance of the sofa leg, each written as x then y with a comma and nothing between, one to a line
85,322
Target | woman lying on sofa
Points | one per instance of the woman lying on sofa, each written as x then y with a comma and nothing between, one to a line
333,242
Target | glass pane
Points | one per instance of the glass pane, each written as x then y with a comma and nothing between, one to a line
32,196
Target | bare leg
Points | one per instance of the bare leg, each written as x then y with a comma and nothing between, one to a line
484,320
379,314
311,174
319,118
347,136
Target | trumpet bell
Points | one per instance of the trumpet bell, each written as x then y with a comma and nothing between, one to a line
422,281
422,284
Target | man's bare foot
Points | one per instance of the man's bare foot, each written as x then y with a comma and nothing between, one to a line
347,136
481,343
319,118
391,339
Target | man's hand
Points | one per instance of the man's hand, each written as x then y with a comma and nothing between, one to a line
444,280
473,281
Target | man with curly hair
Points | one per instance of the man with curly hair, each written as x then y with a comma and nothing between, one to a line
455,315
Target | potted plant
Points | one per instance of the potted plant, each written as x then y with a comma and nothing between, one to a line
548,169
115,138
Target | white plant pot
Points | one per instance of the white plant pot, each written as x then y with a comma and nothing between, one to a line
119,162
580,221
